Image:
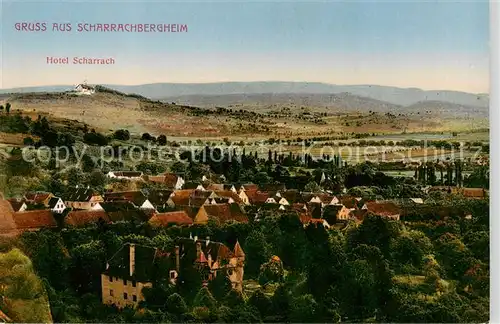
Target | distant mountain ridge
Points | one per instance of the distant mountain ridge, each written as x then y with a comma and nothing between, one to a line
393,95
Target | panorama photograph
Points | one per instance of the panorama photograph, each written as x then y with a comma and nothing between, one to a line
244,162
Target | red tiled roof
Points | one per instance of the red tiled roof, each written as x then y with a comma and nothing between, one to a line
293,196
181,197
135,197
226,212
387,209
238,251
176,217
155,179
16,203
229,194
34,219
84,217
170,179
250,187
37,197
215,186
474,192
259,197
305,217
348,201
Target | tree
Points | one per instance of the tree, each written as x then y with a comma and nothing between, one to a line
88,163
176,305
146,137
271,271
479,178
261,302
304,309
97,179
312,187
121,134
204,298
28,141
88,262
257,251
162,140
7,107
94,138
410,248
220,286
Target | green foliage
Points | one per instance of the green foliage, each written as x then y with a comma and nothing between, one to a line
21,287
204,298
261,302
410,248
312,187
94,138
257,252
220,286
121,134
271,271
162,140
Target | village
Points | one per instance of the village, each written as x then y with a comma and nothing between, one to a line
177,203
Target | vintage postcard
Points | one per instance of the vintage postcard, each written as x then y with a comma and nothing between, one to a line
244,161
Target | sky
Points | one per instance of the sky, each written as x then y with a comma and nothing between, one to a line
425,44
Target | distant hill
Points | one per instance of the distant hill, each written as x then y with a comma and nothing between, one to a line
273,101
393,95
448,109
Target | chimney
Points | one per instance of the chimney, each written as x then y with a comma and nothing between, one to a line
131,258
177,259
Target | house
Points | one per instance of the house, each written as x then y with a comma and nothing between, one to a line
83,198
169,180
231,196
124,278
191,198
213,259
327,199
334,213
159,197
293,196
173,181
316,221
38,198
220,213
78,218
351,202
169,218
84,89
384,208
127,175
134,267
34,220
138,198
56,205
18,205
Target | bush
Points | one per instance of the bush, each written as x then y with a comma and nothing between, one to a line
122,134
94,138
